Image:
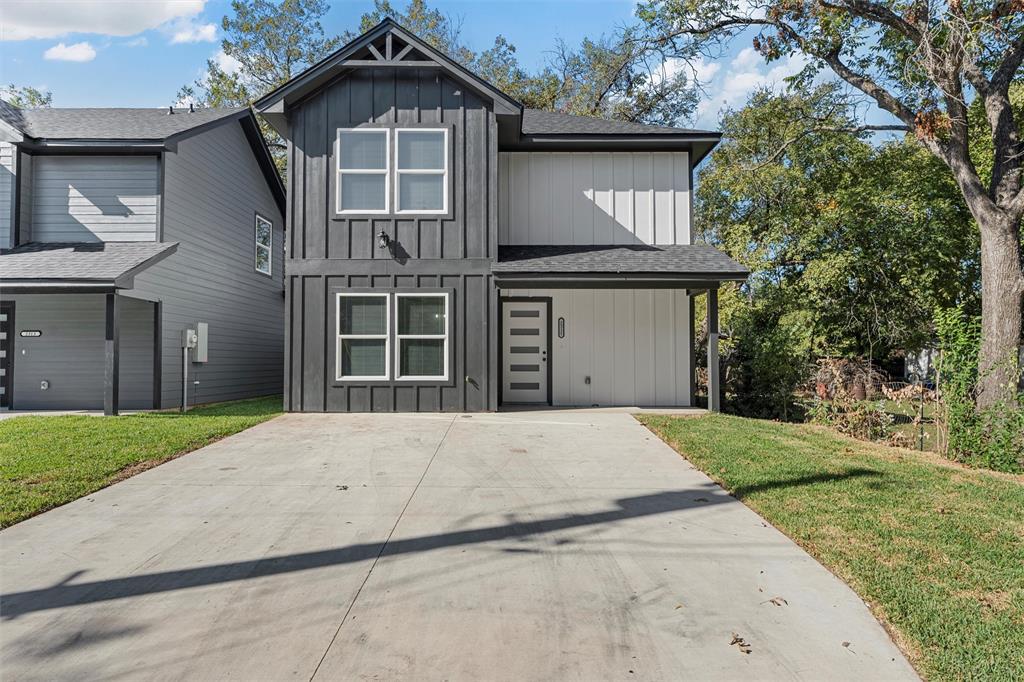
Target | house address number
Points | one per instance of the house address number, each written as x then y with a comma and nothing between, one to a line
31,332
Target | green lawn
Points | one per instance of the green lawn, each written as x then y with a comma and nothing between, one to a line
936,549
49,461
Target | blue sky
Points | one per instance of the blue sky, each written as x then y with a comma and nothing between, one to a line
138,53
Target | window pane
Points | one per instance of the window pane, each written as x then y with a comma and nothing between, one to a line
364,150
362,192
262,259
422,357
418,315
421,150
362,357
363,315
420,192
263,232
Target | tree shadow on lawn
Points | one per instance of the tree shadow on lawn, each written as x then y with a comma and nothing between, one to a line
66,593
743,491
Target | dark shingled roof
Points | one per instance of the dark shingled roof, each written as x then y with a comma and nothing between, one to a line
96,261
112,124
677,259
539,122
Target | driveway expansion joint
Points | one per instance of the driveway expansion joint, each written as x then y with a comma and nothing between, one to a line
384,545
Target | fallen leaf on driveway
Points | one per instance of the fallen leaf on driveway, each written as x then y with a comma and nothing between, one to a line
778,601
740,643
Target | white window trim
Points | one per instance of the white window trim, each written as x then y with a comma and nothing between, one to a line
386,171
422,171
339,337
268,247
400,337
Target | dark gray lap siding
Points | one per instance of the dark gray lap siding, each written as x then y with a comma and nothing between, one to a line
312,386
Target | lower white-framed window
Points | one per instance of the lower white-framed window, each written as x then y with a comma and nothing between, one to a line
363,336
421,336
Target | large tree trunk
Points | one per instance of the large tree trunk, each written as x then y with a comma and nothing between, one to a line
1002,298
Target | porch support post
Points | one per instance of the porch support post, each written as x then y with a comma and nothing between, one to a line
112,369
158,354
714,384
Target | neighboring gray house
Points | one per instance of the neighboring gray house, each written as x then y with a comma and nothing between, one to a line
121,228
451,250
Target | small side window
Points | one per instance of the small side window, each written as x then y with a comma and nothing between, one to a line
264,245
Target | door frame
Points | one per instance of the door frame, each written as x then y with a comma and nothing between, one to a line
11,333
549,303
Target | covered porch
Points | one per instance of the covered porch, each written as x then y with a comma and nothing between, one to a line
604,326
75,337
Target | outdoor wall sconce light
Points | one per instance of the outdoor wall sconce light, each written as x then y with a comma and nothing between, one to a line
383,240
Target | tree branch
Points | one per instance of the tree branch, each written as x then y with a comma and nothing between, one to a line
849,130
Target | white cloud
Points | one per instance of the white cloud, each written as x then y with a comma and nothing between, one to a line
79,52
226,62
136,42
25,19
188,31
746,72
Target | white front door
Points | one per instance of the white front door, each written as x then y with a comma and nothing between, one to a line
524,351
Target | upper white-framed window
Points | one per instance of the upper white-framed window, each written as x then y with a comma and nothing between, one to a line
421,336
363,174
421,170
363,336
264,245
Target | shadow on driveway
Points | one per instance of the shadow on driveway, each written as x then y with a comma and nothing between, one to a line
66,593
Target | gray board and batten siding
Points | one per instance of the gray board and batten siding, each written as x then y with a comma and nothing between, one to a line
213,188
449,253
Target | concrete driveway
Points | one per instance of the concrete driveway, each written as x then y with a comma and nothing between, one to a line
518,546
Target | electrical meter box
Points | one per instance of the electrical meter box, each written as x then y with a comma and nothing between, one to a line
201,351
188,338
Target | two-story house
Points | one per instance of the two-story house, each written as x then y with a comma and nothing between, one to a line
451,250
120,229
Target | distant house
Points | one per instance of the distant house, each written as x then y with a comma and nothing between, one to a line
119,230
450,249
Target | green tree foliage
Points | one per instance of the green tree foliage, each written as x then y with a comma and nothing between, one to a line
924,63
851,245
26,97
269,43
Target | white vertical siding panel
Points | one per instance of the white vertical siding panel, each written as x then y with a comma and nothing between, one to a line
623,361
622,181
664,202
504,193
583,208
581,344
666,344
681,184
643,198
603,377
560,215
519,198
647,335
561,372
681,306
540,198
604,217
594,198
